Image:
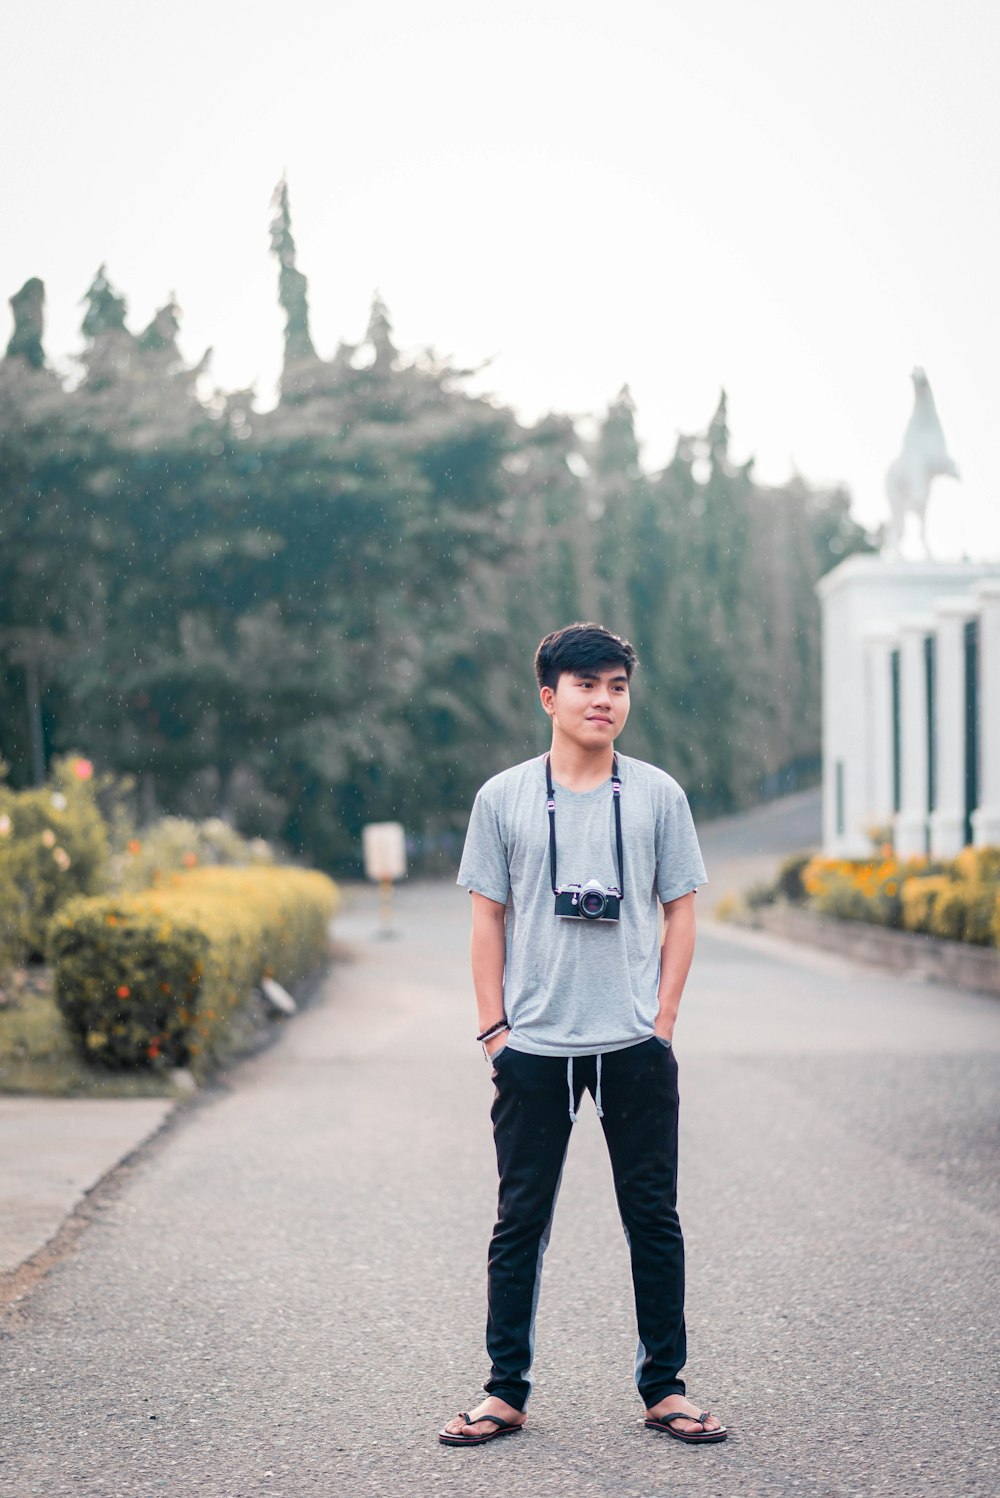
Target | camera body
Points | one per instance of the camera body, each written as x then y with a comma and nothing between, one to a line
588,902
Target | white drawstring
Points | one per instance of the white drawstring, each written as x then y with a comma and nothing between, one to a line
597,1092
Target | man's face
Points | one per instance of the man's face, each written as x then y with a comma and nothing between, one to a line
589,707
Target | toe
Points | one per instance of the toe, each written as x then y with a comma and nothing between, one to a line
688,1423
481,1426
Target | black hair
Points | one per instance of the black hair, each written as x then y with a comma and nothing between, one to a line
580,648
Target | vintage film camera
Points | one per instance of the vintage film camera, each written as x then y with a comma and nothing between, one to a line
590,901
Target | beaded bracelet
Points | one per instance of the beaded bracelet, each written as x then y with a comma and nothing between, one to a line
501,1024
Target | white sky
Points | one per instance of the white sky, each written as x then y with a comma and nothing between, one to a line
796,199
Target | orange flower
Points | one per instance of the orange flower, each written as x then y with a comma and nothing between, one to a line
190,859
123,990
134,845
83,769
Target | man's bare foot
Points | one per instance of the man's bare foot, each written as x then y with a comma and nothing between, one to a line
678,1404
489,1406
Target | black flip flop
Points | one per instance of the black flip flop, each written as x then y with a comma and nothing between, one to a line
503,1428
692,1437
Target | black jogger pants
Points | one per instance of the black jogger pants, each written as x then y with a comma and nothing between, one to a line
637,1089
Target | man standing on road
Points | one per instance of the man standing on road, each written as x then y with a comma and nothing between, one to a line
568,859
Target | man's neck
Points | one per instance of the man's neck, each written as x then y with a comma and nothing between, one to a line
580,769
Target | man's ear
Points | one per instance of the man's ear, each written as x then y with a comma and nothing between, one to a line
547,698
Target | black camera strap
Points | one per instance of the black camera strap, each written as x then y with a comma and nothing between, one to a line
616,795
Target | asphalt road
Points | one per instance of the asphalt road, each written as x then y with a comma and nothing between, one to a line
285,1294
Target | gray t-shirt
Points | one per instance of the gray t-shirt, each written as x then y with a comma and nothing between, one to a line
575,987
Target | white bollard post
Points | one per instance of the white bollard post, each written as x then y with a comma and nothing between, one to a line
384,848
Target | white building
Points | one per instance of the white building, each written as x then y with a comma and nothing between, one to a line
911,705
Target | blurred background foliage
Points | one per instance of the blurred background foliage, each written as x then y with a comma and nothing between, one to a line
307,618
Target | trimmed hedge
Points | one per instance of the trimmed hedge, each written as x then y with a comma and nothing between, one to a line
157,979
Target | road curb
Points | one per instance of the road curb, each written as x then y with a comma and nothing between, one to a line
907,952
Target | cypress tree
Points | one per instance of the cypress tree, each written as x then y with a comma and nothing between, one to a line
613,494
292,284
28,307
161,334
105,308
379,335
107,357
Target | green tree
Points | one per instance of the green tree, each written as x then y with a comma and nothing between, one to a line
292,284
28,307
324,614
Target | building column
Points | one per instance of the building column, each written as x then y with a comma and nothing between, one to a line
948,816
910,838
880,641
986,817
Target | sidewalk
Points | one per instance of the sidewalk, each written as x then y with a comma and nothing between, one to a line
52,1152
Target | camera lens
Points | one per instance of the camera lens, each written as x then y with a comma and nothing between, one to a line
592,904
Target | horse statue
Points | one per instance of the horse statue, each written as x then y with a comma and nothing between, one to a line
924,458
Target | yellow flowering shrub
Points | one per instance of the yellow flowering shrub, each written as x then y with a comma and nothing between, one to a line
157,978
979,865
920,895
860,889
966,912
958,898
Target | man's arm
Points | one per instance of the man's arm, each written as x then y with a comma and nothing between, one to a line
489,951
676,953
